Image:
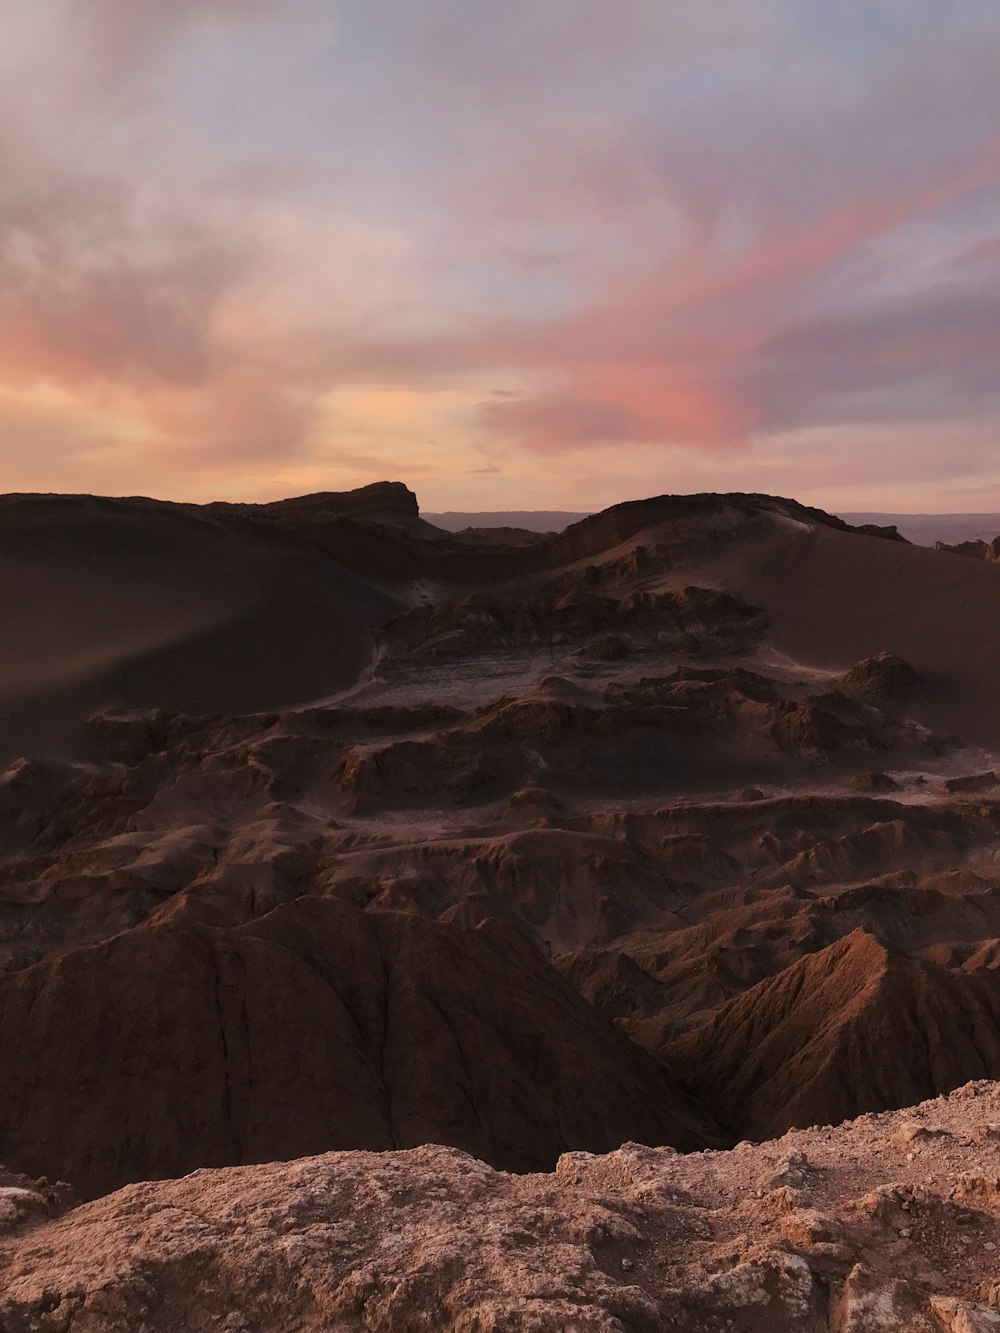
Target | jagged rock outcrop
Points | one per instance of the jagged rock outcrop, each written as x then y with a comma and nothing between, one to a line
882,677
887,530
380,499
567,616
977,549
888,1224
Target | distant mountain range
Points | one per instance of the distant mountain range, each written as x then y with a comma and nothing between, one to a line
923,529
926,529
533,520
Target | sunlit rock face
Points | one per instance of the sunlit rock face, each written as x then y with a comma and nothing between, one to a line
884,1224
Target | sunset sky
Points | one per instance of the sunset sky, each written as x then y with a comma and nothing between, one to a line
520,254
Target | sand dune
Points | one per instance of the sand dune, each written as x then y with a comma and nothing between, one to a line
142,604
832,598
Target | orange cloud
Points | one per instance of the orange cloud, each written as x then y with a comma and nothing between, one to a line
223,293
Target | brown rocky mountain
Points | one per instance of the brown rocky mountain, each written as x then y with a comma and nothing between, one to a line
315,1026
855,1027
324,829
977,548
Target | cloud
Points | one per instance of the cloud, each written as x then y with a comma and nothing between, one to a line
247,244
127,36
110,314
710,351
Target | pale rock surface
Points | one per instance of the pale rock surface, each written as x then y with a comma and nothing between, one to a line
887,1224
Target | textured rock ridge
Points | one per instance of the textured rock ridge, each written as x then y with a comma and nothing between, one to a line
887,1224
821,1040
375,529
318,1026
977,549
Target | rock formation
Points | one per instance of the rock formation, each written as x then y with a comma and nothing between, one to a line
977,549
882,677
887,1224
314,1026
361,836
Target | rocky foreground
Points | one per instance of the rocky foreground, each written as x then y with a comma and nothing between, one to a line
888,1222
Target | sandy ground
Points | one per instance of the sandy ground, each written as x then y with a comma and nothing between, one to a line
832,598
137,604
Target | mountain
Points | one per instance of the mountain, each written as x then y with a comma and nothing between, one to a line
855,1027
921,529
324,828
314,1026
528,520
926,529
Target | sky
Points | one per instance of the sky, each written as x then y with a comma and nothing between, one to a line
537,254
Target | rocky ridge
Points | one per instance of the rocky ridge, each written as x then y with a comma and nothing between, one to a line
887,1224
977,549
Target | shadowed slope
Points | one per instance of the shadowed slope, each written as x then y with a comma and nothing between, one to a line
146,604
175,1046
832,598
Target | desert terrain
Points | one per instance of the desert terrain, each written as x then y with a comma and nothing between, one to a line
390,880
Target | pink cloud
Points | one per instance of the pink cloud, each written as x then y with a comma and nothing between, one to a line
692,354
698,274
